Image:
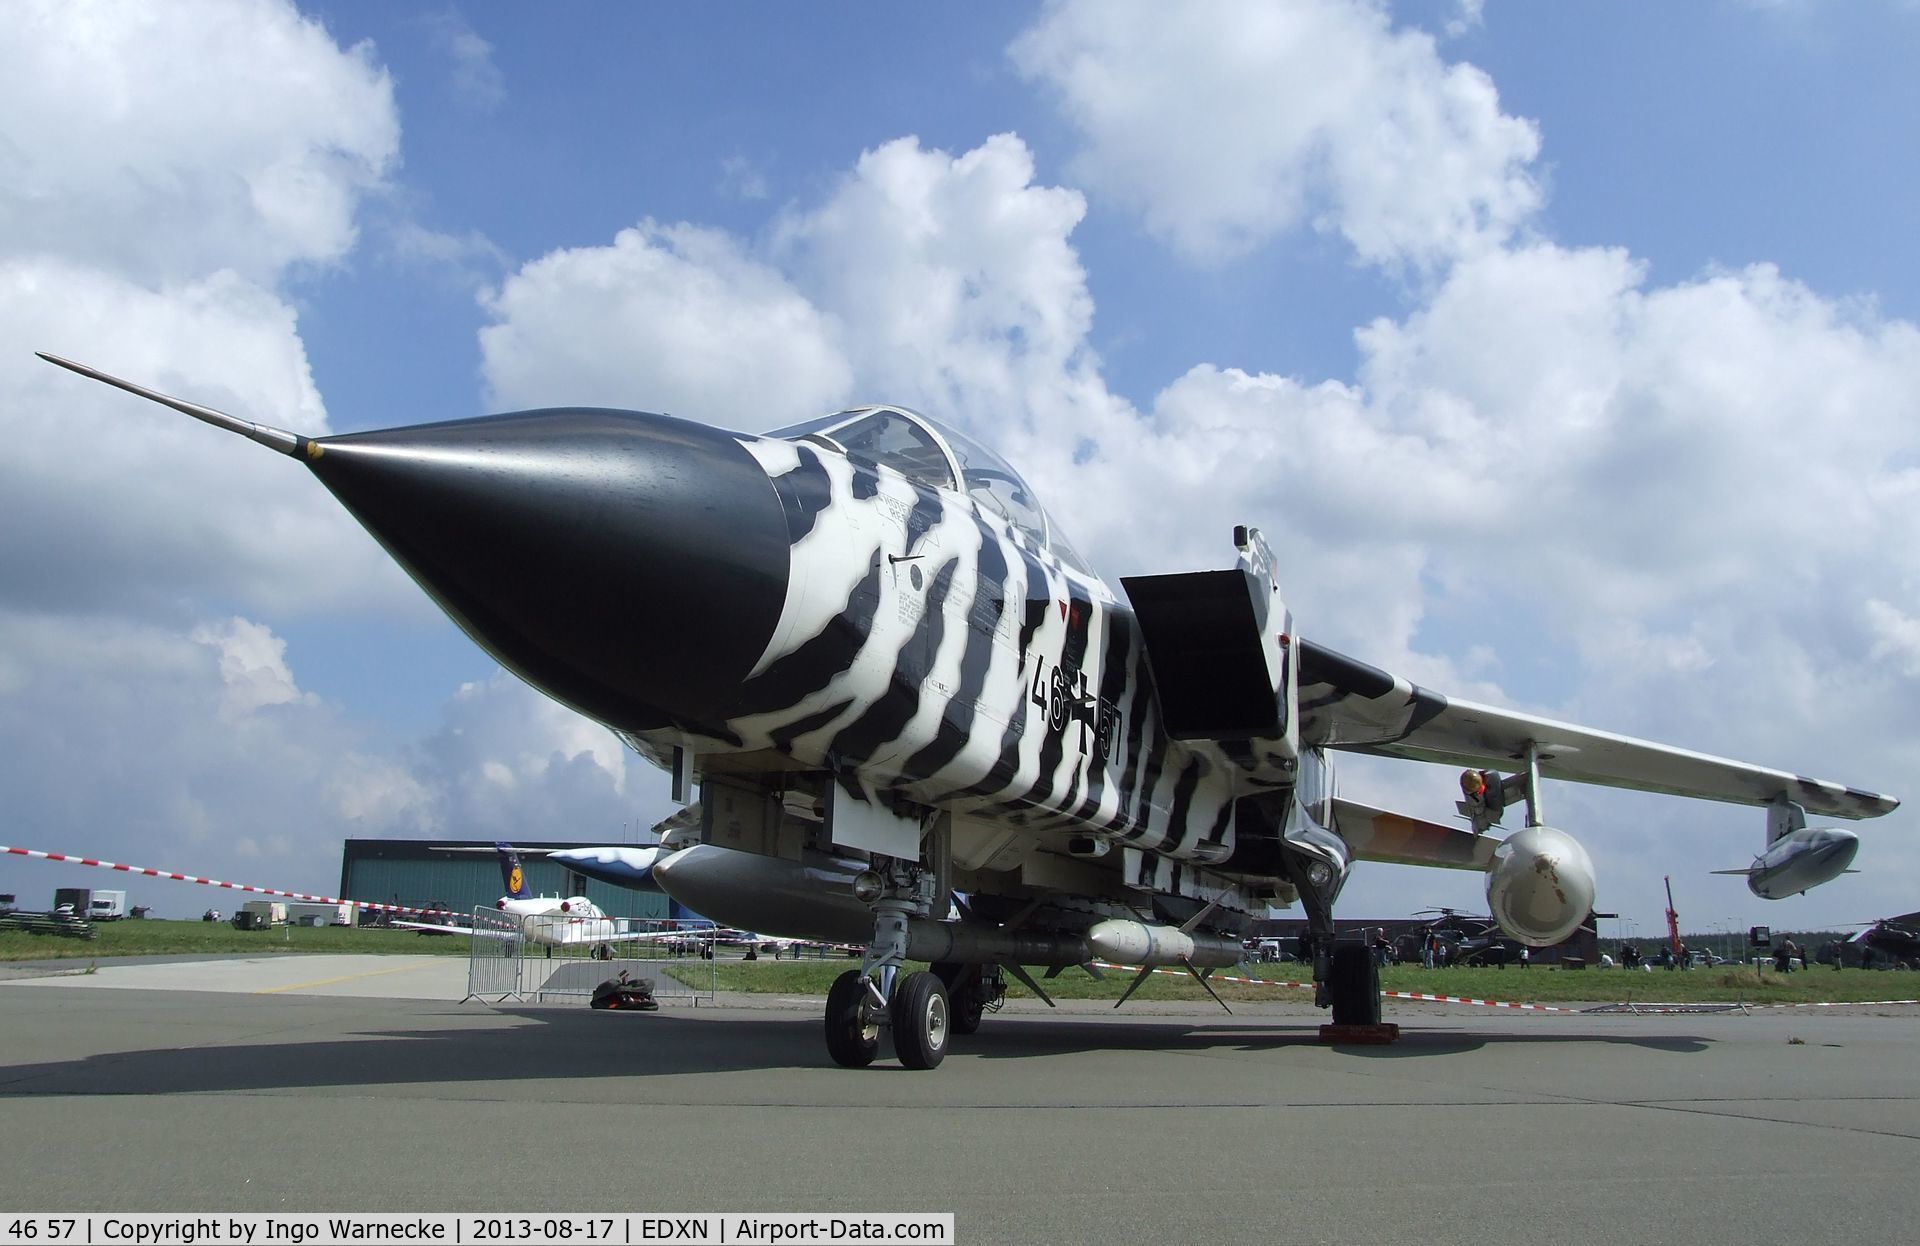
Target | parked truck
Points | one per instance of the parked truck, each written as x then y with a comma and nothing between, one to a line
90,905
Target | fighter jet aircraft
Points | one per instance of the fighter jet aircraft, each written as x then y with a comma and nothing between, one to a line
896,682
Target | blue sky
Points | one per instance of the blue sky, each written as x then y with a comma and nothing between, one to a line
1567,350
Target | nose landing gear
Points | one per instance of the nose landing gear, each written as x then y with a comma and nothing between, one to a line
875,996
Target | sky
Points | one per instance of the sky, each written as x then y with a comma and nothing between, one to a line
1566,353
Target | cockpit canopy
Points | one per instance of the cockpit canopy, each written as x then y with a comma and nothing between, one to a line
929,453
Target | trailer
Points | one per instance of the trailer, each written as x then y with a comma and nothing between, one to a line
260,915
90,905
320,914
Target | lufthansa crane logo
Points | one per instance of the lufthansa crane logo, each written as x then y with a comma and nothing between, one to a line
514,881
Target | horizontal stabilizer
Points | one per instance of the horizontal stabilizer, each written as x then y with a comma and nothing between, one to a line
1378,835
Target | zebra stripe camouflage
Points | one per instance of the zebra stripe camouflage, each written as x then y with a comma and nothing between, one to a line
949,659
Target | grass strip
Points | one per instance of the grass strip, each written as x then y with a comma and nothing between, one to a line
1534,986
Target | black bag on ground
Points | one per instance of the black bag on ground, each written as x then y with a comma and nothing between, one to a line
625,991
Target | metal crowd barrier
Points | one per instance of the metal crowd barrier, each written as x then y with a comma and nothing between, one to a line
493,963
552,958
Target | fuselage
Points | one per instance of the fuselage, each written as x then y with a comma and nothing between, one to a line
870,597
559,921
959,660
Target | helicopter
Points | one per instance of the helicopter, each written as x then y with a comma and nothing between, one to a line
1889,943
1466,939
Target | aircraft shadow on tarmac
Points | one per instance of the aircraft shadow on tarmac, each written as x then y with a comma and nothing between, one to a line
1036,1037
576,1045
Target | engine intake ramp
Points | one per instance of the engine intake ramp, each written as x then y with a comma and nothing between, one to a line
1210,662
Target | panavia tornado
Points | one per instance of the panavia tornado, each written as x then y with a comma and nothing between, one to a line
919,723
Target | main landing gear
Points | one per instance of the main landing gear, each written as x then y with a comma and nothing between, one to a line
972,992
1354,985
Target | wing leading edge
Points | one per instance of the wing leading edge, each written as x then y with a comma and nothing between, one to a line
1350,705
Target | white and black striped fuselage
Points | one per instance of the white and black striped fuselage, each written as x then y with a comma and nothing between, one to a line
947,658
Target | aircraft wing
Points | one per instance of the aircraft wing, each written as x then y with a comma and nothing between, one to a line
648,936
434,928
1347,704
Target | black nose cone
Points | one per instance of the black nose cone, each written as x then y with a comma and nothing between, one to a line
630,565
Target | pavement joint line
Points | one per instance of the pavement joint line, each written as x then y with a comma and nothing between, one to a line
1688,1108
350,977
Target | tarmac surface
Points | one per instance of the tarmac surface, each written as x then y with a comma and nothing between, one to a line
304,1083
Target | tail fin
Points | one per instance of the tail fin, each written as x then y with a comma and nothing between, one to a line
510,872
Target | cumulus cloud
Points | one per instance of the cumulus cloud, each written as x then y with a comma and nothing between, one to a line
1244,121
922,277
118,504
164,143
950,278
198,744
507,762
668,318
202,753
1683,512
253,666
161,168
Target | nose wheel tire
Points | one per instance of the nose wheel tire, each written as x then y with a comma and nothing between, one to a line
853,1037
921,1020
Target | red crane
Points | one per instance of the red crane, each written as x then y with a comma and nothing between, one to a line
1673,918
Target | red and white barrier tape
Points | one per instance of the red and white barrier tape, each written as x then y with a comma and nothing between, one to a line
1483,1003
1307,986
1494,1003
142,870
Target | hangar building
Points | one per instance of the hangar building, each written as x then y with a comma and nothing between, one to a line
421,874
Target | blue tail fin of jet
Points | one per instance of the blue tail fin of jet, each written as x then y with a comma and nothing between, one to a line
510,872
